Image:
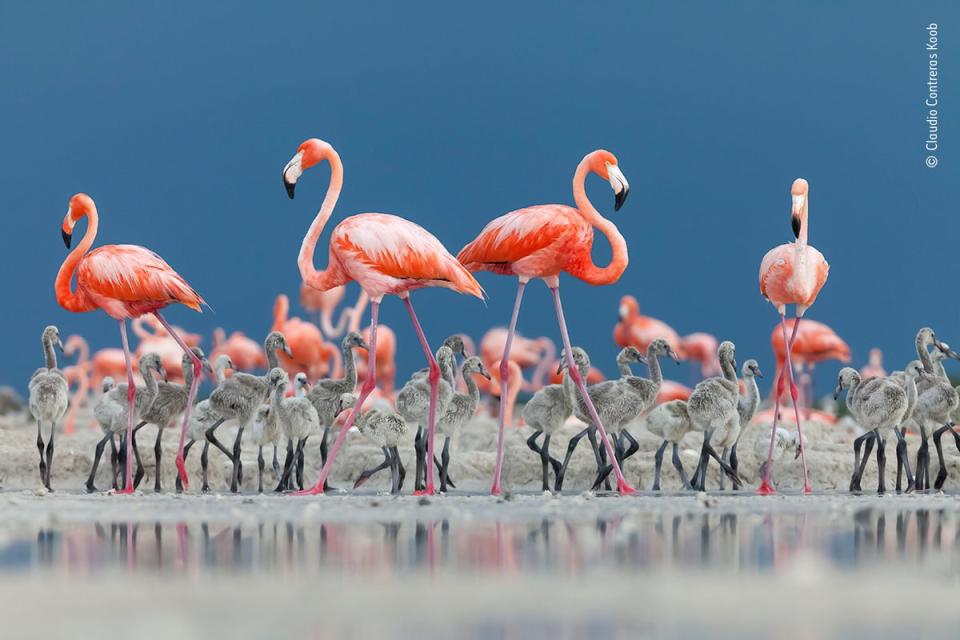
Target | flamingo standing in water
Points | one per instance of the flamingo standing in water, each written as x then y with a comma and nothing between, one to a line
791,273
384,254
541,242
125,281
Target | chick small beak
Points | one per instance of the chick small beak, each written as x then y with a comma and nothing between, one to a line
287,350
60,345
675,357
485,373
836,393
758,373
796,454
67,237
363,344
561,366
163,373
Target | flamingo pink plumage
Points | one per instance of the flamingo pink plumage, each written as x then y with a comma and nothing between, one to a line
245,353
125,281
541,242
384,254
792,273
77,374
637,330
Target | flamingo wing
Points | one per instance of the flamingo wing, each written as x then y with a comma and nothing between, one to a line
136,276
517,235
400,249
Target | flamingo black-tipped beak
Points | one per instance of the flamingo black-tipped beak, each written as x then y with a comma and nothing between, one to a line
836,393
485,373
797,453
758,373
67,237
287,350
290,186
60,345
561,366
363,345
675,357
620,198
795,224
163,374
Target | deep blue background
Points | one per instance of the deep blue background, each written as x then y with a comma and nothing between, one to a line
178,117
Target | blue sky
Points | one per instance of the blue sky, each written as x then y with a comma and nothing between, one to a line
178,118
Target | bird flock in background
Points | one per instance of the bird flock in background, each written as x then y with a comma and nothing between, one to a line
299,383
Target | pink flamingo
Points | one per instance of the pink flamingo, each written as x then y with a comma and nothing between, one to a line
636,330
164,345
107,362
79,374
245,353
813,342
125,281
873,368
384,254
541,242
311,354
702,348
792,273
324,303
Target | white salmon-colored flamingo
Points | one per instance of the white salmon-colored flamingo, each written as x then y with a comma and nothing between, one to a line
792,273
541,242
384,254
125,281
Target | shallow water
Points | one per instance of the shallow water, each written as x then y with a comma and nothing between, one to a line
546,567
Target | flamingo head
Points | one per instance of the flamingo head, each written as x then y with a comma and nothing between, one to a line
51,335
580,358
300,382
151,362
751,369
629,308
456,344
225,362
107,383
354,339
727,353
277,379
798,193
474,364
80,205
347,401
660,347
847,378
604,164
309,153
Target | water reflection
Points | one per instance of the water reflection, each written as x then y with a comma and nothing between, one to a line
734,542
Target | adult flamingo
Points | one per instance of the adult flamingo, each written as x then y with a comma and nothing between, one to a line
814,342
791,273
541,242
384,254
636,330
125,281
244,352
311,354
324,303
702,348
107,362
874,367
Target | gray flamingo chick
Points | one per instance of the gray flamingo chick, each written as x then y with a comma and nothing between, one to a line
549,409
746,408
908,379
110,410
937,400
669,421
170,402
413,405
713,405
325,394
49,398
202,418
878,405
296,416
461,409
384,429
238,398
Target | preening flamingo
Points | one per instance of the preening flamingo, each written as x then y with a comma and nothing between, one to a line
384,254
636,330
125,281
245,353
541,242
311,354
792,273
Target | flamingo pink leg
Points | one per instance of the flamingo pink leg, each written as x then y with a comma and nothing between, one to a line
622,485
765,487
191,396
434,390
368,385
504,379
131,395
793,397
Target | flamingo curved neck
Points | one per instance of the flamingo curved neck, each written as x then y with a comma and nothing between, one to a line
321,280
66,298
588,271
49,355
923,352
472,390
349,365
729,370
656,374
281,311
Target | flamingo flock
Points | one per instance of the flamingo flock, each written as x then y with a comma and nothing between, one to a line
314,377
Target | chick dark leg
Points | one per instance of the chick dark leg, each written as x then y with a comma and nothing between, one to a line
679,467
658,464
